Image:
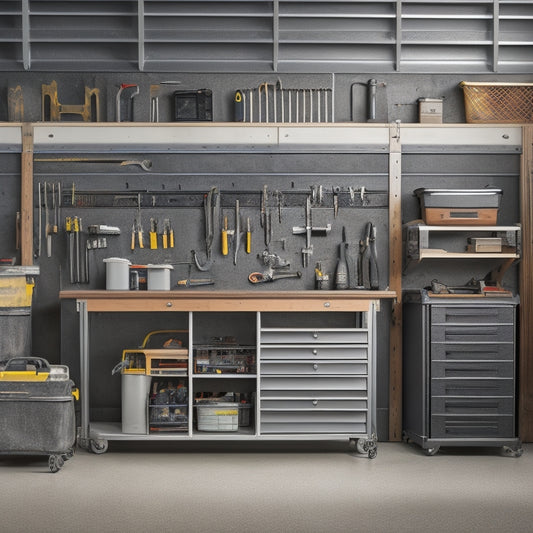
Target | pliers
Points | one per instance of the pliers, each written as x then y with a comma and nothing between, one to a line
368,267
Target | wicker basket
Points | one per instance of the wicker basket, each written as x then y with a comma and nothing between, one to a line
496,103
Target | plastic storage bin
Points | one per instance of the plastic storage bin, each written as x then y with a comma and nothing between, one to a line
16,290
37,415
219,416
459,207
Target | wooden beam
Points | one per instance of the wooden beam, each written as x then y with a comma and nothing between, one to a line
221,301
26,196
525,375
395,284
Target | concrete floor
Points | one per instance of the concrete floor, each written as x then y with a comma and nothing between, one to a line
269,487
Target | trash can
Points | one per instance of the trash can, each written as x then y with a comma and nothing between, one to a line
16,291
135,388
37,415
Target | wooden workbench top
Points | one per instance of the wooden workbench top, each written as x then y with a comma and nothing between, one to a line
202,300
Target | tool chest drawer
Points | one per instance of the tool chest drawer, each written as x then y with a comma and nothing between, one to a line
324,383
472,352
492,333
318,367
472,315
313,404
472,387
487,426
329,351
313,422
468,406
297,394
472,369
313,336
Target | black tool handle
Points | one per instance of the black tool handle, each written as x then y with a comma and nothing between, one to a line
238,111
20,364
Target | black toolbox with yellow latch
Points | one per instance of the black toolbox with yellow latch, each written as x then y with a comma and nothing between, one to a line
37,415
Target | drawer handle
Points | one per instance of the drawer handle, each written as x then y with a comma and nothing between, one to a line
315,352
315,367
315,335
315,402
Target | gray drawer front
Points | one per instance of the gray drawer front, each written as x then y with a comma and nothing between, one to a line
472,315
473,352
472,387
313,383
451,426
467,369
315,404
313,428
492,333
313,367
289,351
470,406
313,336
314,394
313,421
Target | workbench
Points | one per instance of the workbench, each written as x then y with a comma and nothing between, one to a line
310,381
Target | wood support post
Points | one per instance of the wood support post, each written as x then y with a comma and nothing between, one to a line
26,196
395,283
525,374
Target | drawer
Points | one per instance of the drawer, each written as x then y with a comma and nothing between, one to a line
469,406
454,426
313,336
492,333
313,422
289,351
313,428
315,404
472,387
314,394
472,315
467,369
473,352
318,367
323,383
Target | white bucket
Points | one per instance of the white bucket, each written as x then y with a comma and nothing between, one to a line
159,277
117,274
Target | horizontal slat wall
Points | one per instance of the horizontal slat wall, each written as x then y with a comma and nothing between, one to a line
412,36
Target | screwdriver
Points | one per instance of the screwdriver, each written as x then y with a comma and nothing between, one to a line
248,236
165,233
153,234
171,235
225,237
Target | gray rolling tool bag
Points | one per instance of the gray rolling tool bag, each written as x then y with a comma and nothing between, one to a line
37,415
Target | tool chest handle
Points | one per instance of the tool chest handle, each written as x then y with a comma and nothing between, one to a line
20,363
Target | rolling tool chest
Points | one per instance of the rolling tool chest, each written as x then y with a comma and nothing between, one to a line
460,371
37,415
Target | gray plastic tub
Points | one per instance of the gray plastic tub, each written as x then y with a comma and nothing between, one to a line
38,418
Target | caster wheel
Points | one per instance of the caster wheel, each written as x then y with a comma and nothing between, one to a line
361,446
431,451
55,463
510,452
68,455
372,454
98,446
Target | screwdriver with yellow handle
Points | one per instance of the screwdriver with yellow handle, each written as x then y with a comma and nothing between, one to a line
225,237
170,235
164,236
153,234
248,237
